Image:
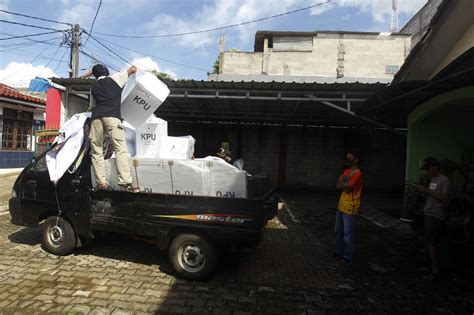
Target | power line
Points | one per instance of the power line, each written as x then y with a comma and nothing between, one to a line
115,53
42,58
109,65
20,45
35,17
100,54
62,58
33,26
159,58
29,35
93,21
105,54
31,62
52,58
220,27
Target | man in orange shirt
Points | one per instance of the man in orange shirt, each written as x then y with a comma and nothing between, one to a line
350,182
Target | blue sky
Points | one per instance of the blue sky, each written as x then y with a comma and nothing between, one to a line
183,56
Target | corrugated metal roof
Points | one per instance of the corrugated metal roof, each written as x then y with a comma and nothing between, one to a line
261,102
85,84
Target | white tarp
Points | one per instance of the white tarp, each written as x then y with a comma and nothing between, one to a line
148,134
141,96
175,148
69,141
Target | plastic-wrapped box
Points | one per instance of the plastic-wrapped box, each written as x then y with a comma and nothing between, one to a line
201,177
175,148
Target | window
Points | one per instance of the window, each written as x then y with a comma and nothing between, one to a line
391,69
17,130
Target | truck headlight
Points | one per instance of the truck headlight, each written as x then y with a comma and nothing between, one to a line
14,195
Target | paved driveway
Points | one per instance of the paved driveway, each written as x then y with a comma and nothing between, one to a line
291,271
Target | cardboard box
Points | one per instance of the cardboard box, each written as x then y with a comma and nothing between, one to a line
141,96
148,134
175,148
201,177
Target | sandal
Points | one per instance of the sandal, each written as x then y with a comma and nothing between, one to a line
103,187
130,188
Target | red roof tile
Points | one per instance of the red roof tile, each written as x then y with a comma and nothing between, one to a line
7,91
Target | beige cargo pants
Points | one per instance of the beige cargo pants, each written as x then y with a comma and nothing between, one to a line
113,127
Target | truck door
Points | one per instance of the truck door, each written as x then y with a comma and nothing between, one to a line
39,192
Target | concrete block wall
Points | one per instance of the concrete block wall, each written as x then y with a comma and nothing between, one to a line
241,63
315,156
364,56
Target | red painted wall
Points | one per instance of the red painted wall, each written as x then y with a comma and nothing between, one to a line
53,108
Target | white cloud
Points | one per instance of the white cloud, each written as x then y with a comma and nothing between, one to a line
219,13
80,13
146,63
4,6
227,12
171,73
380,10
20,74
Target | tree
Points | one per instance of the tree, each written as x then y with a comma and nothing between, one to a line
162,75
215,66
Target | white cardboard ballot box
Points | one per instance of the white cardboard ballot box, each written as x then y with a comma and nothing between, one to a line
141,96
148,134
200,177
175,148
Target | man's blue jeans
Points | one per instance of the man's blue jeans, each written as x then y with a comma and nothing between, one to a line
345,230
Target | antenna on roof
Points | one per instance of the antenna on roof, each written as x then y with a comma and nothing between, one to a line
394,23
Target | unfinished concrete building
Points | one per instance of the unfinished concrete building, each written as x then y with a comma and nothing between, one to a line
326,56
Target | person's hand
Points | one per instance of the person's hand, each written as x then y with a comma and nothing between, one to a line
131,70
86,74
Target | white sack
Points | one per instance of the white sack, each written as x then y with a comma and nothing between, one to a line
141,96
148,134
175,148
70,140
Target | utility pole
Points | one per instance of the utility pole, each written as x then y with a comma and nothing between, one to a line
74,61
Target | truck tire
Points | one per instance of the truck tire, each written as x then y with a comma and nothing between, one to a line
193,256
58,239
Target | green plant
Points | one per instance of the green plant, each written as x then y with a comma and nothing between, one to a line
162,75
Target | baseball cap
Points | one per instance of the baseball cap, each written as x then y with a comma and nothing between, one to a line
428,162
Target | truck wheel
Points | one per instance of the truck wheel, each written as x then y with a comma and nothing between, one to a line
58,239
193,256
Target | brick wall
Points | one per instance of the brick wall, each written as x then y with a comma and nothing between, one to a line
314,155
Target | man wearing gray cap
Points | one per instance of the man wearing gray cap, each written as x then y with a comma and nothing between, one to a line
436,201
